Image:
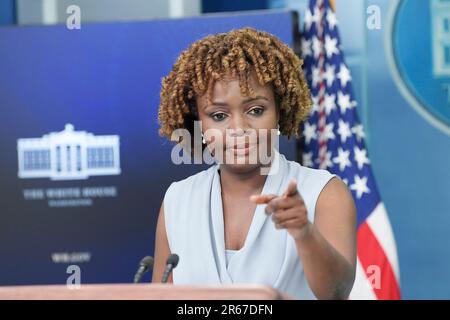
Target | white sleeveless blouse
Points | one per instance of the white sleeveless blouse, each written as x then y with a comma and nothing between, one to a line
195,231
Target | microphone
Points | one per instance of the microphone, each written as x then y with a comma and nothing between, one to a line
145,264
171,263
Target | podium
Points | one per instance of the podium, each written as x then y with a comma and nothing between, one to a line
153,291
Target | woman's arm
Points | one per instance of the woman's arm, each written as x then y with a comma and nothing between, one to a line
162,250
326,248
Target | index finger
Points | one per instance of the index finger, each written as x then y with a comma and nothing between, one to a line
291,189
263,198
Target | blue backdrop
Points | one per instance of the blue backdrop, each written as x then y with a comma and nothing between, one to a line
410,155
103,79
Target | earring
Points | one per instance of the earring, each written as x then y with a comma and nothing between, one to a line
203,139
278,130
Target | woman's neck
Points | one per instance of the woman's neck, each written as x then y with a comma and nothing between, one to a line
242,183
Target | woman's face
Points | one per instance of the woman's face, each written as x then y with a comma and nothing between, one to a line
237,121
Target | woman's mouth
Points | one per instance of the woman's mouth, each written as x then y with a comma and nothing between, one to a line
242,149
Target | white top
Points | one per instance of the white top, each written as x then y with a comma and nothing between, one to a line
229,254
195,231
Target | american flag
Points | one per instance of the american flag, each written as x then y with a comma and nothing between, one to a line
334,140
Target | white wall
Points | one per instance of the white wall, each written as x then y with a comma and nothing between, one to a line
54,11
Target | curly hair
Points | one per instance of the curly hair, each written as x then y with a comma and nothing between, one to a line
237,52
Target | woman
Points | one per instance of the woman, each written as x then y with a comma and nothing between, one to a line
218,220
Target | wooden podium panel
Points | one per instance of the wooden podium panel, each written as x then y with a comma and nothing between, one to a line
155,291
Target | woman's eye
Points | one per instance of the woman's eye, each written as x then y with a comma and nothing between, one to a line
218,116
256,111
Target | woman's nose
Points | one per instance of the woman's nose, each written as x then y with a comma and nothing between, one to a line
238,126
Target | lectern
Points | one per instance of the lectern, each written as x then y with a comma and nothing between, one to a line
141,292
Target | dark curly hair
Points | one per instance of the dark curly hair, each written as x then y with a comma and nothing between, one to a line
237,52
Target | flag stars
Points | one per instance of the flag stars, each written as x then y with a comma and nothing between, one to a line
344,102
344,75
360,186
361,157
315,107
328,132
326,163
329,74
309,132
329,103
331,19
342,159
306,48
344,153
331,46
344,130
315,76
310,18
358,131
316,46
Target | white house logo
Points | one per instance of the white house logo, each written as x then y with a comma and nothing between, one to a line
68,155
418,50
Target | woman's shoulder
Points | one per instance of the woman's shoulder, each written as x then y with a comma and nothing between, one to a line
182,196
192,182
311,183
308,174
